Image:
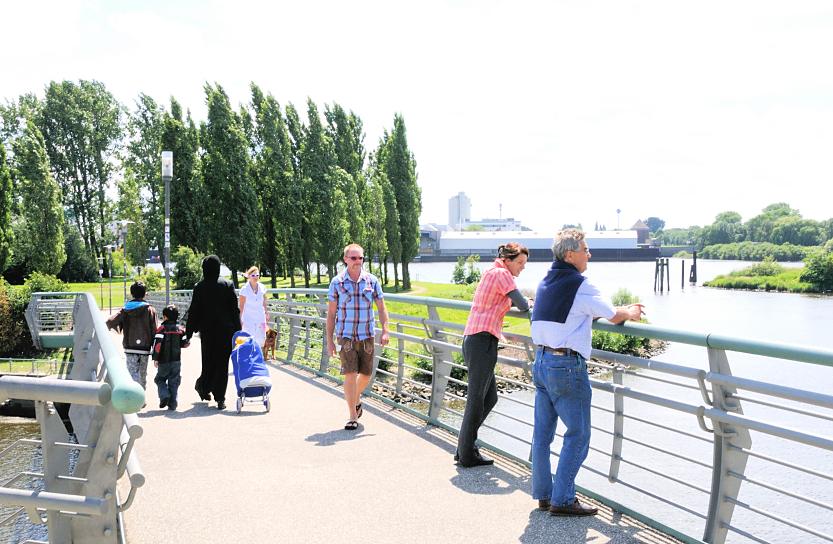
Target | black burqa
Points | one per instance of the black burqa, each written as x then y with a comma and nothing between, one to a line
214,313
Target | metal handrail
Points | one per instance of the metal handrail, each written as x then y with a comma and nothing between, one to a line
721,423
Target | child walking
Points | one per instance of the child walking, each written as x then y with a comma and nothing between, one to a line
169,339
137,321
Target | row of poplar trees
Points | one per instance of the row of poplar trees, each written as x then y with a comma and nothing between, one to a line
255,185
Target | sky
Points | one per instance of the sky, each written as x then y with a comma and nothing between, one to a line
550,112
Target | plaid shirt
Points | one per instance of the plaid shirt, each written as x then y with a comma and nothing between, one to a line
490,302
354,302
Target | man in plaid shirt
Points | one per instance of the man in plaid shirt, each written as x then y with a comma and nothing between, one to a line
350,320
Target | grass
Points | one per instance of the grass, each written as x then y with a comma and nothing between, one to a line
784,281
29,366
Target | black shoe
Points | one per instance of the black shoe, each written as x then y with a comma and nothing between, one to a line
172,405
543,504
457,453
477,461
575,508
221,405
163,402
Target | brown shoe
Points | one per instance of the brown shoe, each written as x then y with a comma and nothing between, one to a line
543,504
575,508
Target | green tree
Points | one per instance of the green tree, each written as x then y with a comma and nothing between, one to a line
144,150
233,213
299,224
818,270
81,126
188,201
375,218
273,171
458,275
654,223
400,167
41,203
317,162
129,207
5,210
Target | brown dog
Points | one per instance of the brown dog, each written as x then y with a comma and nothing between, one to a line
269,344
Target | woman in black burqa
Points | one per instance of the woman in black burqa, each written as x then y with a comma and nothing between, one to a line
215,315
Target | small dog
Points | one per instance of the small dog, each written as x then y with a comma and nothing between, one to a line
269,344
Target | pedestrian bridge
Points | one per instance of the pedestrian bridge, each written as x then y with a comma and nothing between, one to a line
680,452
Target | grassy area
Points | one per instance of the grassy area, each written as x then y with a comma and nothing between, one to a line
786,280
29,366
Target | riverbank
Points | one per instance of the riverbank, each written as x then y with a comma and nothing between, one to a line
765,276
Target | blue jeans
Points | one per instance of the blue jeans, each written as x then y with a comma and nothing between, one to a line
562,390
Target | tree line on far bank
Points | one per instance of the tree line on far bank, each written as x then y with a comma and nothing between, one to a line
260,184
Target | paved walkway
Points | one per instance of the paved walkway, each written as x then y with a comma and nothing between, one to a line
295,476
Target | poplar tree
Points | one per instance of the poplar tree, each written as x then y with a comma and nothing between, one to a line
400,167
5,210
144,150
231,213
301,195
376,216
345,130
130,207
188,201
41,204
273,164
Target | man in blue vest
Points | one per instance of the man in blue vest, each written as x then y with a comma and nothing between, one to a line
565,306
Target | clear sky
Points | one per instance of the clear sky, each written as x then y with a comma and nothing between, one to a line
561,111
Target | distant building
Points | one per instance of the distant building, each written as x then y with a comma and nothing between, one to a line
508,224
459,211
643,231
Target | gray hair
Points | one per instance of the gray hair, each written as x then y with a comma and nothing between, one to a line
566,240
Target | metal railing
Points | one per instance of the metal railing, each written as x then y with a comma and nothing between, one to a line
75,495
690,421
688,443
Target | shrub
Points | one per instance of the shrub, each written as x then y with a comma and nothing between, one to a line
188,267
79,266
153,279
818,270
458,277
767,267
472,272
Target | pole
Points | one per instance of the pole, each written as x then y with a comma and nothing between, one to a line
167,240
682,278
110,282
124,263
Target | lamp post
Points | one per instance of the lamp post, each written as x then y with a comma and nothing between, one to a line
109,248
167,175
100,280
123,224
618,211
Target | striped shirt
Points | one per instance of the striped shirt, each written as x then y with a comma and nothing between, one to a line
354,302
490,302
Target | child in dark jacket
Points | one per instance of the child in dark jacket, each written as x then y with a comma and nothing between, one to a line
169,339
136,321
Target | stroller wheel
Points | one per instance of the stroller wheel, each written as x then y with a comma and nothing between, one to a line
239,404
267,404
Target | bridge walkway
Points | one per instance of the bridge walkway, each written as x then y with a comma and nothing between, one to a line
293,475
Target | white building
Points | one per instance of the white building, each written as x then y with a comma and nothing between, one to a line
482,241
459,211
509,224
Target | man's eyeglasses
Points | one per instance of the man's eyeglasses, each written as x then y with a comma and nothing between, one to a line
354,258
581,249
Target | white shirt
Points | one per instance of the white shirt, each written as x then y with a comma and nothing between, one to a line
253,309
576,331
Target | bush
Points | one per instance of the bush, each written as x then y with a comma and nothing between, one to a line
755,251
79,266
38,282
466,271
768,267
10,326
458,277
818,270
188,267
623,297
683,254
153,279
15,338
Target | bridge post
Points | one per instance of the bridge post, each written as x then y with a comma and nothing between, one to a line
400,349
324,365
728,455
293,325
440,367
55,464
618,424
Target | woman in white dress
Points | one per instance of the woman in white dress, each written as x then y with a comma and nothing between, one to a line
252,300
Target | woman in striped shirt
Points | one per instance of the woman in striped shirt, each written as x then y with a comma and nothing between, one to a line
494,296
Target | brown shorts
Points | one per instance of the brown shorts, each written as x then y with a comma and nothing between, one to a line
356,356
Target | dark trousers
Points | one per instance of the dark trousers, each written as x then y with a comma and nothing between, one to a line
167,381
480,354
215,349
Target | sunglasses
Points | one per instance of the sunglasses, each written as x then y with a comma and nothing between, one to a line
354,258
254,275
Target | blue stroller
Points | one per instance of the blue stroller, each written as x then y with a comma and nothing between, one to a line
251,376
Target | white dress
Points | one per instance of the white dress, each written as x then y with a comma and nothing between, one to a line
253,318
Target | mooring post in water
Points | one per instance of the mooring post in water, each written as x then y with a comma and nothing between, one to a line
692,276
661,276
682,277
668,272
656,272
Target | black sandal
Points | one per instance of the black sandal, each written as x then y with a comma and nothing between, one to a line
359,410
351,425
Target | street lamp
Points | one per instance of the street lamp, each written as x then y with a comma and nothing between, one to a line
167,174
124,224
100,280
109,248
618,211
